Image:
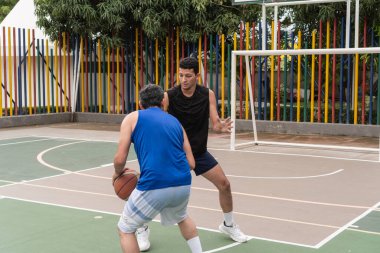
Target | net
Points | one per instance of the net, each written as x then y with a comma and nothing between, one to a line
300,54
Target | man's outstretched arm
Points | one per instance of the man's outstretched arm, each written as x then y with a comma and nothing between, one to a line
218,125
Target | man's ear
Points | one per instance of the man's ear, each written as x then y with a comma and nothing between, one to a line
141,106
197,75
163,102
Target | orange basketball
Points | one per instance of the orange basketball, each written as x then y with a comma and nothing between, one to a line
125,183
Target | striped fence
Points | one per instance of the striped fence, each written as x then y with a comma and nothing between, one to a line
77,74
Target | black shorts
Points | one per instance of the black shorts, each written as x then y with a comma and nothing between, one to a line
204,162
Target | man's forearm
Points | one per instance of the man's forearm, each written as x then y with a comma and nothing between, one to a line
118,165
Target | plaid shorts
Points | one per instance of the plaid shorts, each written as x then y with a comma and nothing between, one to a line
144,206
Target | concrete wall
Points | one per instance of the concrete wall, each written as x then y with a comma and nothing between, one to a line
38,119
309,128
241,125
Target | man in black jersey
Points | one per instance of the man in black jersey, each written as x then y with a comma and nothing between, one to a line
193,105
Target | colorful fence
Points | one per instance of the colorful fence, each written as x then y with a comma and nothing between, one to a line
76,74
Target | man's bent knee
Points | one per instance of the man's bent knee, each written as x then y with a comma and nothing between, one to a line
224,185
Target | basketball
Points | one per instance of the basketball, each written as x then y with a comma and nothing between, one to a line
125,183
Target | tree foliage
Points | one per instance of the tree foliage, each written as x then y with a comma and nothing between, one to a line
93,19
307,17
113,21
5,7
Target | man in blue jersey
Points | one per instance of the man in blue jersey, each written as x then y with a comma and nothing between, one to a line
193,105
165,160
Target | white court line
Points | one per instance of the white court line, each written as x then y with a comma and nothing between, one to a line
221,149
238,193
76,139
303,177
191,206
196,207
269,217
22,142
290,144
207,189
224,247
284,199
279,154
364,231
70,190
6,181
15,138
60,175
66,172
209,209
58,205
294,154
340,230
40,160
118,214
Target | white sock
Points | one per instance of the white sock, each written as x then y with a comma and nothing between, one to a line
228,219
195,245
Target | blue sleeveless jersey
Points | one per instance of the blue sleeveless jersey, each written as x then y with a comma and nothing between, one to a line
158,142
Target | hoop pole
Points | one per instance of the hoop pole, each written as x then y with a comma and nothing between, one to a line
312,79
357,23
264,30
274,42
327,73
251,101
348,18
272,73
299,73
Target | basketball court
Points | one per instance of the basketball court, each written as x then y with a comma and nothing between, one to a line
56,194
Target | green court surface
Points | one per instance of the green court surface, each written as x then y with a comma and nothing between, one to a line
37,227
56,196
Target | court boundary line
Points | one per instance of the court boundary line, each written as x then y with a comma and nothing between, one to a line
294,144
41,160
52,176
285,178
11,138
69,138
22,142
43,152
225,149
252,195
287,199
198,207
294,154
347,225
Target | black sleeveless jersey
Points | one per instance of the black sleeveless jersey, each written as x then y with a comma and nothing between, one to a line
193,113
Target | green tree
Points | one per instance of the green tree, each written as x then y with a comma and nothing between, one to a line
113,20
194,17
307,17
93,19
5,7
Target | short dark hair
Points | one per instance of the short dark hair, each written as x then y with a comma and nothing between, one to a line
189,63
151,95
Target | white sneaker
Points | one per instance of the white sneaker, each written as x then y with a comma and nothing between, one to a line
234,232
142,235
